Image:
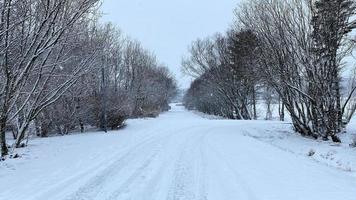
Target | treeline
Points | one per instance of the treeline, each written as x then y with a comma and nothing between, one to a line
286,52
61,70
227,79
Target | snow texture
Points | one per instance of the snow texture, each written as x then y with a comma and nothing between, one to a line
181,155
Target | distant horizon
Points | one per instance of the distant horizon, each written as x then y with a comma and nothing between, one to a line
168,28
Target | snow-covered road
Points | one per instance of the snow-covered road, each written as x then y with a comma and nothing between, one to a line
179,155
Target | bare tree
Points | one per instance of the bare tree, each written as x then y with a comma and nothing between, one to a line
33,42
225,65
293,64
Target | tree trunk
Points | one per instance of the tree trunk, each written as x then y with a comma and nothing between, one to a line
103,119
254,103
81,126
338,107
4,150
269,111
21,134
281,110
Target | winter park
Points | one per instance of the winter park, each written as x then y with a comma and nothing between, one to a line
178,100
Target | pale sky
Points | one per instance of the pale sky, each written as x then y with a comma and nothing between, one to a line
167,27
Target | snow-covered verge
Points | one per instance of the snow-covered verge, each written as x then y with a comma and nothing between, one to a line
281,135
207,116
181,155
341,156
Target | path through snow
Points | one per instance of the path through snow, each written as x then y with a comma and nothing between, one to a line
174,157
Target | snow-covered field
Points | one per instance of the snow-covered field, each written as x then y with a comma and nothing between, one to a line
181,155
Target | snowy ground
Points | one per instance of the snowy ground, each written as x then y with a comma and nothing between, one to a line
181,155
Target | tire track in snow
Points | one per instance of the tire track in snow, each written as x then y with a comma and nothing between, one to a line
188,181
137,174
238,180
56,190
92,188
137,177
203,173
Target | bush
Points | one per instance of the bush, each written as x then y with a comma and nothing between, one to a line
311,152
115,121
353,144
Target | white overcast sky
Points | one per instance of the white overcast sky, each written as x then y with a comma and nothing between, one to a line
167,27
